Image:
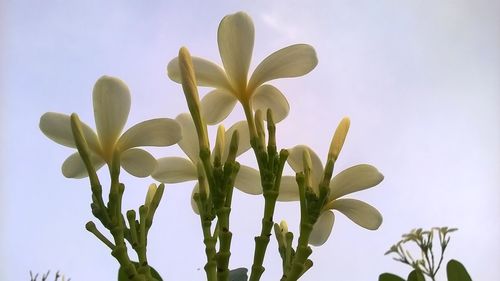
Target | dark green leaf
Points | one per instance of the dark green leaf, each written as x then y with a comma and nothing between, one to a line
416,275
239,274
456,271
389,277
155,274
122,275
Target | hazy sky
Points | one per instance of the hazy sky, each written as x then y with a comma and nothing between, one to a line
419,80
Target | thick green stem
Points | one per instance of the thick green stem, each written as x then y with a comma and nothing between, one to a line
208,239
143,242
262,241
224,253
117,226
271,168
303,253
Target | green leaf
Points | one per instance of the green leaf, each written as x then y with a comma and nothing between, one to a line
239,274
122,275
155,274
456,271
389,277
416,275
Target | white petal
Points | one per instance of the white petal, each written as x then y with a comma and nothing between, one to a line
73,166
322,228
244,138
111,99
292,61
57,127
189,142
138,162
295,160
235,38
354,179
216,106
207,73
267,96
248,180
154,132
359,212
174,169
289,190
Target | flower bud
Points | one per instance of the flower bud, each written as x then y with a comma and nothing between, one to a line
283,226
188,79
307,162
339,138
150,195
220,143
190,89
259,126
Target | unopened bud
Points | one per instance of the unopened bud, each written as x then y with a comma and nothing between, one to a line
307,162
151,194
188,78
220,142
283,226
190,89
339,138
259,126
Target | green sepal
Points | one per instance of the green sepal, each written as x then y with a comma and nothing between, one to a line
122,275
239,274
416,275
456,271
389,277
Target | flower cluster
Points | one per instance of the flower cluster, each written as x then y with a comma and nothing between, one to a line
216,170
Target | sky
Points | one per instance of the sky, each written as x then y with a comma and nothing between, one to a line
420,81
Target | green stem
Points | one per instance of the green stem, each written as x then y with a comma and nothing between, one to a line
251,122
143,242
117,226
231,169
208,239
98,207
225,236
303,252
262,241
91,227
299,262
271,168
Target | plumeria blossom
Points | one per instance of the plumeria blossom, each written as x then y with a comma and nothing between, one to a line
353,179
235,38
179,169
111,100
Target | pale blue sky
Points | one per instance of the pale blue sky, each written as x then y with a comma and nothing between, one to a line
419,79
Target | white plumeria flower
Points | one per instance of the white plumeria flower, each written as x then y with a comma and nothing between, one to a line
353,179
179,169
235,38
111,100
